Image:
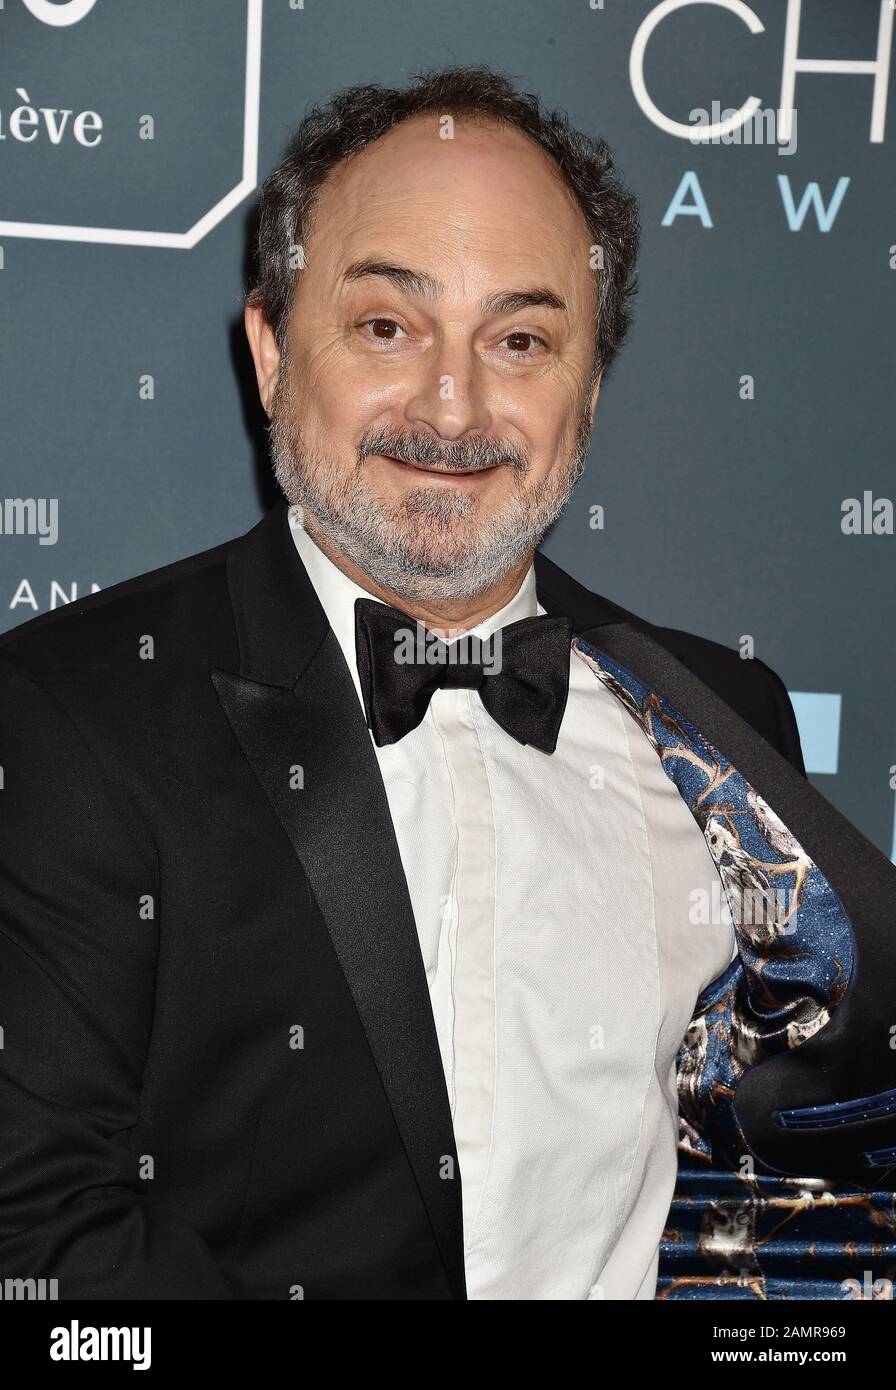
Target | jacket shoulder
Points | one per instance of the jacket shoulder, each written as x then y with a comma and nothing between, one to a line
750,687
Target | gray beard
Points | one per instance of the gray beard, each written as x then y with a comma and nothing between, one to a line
419,548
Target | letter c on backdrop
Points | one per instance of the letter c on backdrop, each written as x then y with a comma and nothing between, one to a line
68,13
639,88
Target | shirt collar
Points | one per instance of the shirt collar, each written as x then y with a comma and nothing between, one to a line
337,594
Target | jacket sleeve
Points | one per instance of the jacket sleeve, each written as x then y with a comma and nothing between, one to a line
79,901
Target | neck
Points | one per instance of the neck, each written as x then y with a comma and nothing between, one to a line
444,616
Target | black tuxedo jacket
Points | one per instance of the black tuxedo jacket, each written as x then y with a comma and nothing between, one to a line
220,1075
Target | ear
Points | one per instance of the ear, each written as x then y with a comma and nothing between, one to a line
265,353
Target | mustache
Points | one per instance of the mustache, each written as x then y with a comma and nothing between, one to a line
451,454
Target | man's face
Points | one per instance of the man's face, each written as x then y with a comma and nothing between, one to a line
432,406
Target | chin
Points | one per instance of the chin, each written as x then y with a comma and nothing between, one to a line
438,559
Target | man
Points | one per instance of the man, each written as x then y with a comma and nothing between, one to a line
349,938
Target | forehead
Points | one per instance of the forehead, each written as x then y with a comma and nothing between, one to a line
486,205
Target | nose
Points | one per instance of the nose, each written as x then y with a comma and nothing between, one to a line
450,393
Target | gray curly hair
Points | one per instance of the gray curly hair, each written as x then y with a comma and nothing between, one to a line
358,116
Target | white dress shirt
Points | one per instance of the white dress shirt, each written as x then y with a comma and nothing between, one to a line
554,897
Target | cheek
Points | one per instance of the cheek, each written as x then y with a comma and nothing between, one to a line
548,421
335,397
347,385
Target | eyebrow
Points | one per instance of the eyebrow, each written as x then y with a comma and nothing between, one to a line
512,301
412,281
426,287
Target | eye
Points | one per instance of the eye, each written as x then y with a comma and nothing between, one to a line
384,330
519,343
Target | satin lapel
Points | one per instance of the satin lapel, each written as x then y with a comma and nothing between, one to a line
794,1026
304,735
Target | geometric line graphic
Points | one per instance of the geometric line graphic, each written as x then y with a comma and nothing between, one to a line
184,241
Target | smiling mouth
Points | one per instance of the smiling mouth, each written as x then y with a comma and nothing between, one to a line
445,470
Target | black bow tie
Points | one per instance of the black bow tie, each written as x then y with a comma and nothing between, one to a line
521,672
